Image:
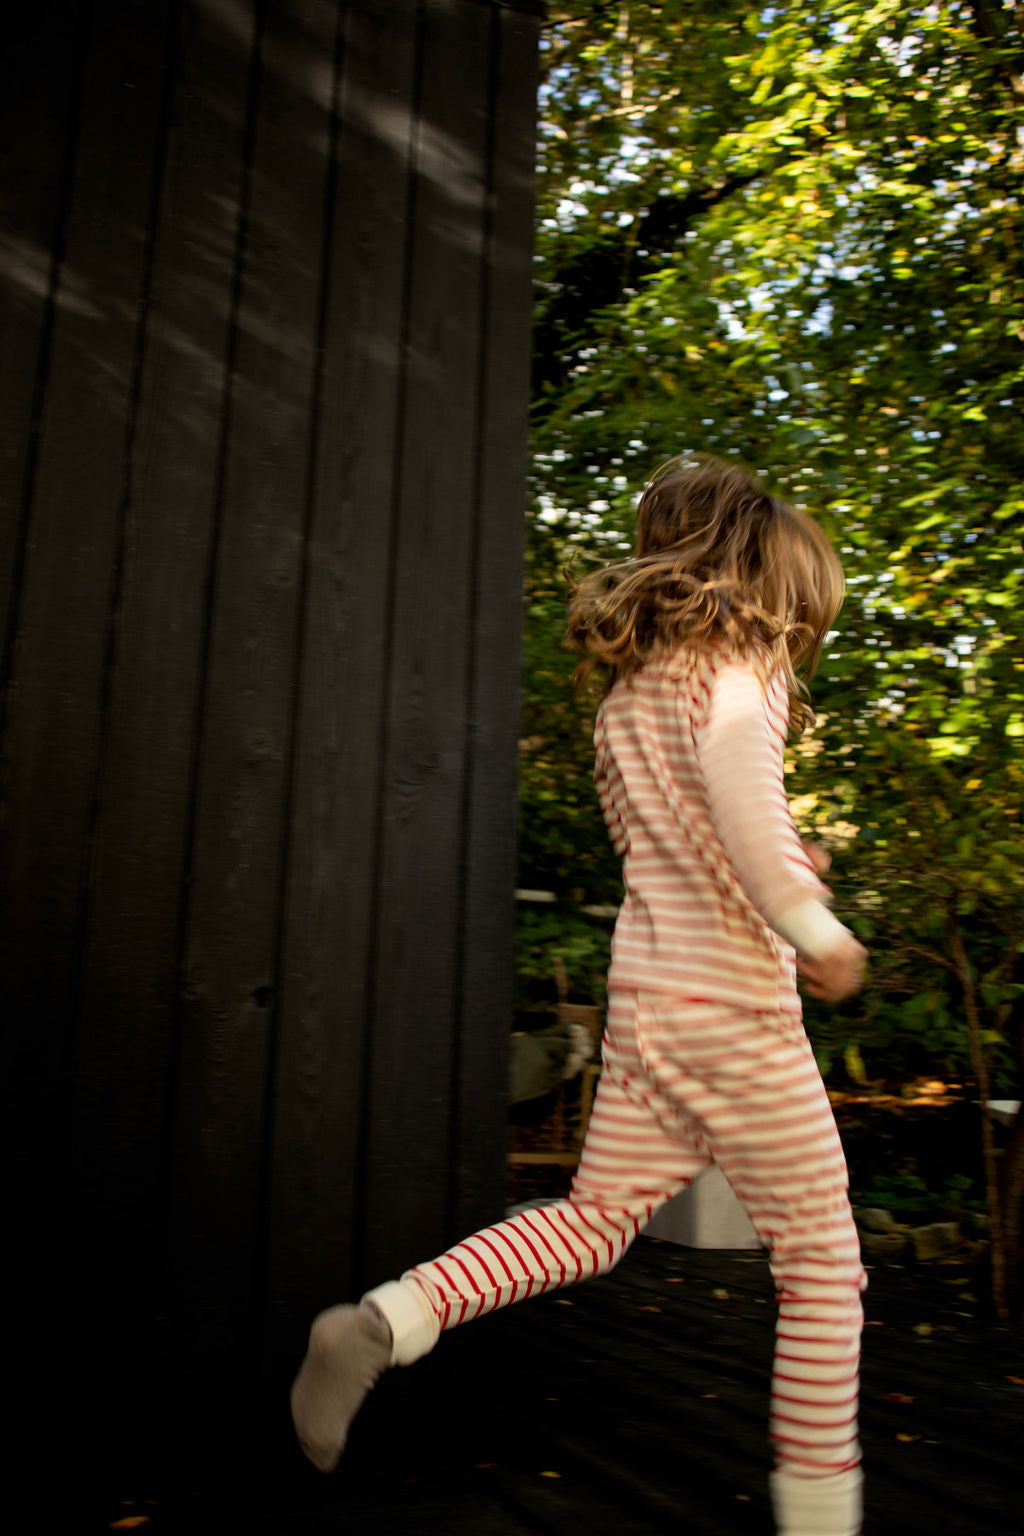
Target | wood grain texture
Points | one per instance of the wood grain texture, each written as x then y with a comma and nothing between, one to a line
420,900
41,83
121,1127
215,1236
480,1079
268,279
325,1017
646,1391
55,721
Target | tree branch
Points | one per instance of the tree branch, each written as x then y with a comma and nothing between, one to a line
989,32
599,273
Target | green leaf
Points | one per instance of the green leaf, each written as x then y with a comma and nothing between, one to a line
854,1063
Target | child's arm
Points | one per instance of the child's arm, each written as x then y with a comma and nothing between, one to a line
740,751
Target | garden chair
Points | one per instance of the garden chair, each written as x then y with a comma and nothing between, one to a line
563,1142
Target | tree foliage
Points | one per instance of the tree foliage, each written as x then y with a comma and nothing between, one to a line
793,234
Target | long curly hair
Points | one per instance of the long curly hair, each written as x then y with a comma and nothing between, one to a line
718,562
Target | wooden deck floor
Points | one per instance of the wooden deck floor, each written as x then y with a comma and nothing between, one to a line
636,1405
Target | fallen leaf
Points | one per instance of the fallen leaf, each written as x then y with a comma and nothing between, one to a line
923,1329
897,1397
744,1498
907,1439
129,1523
719,1294
674,1280
649,1309
873,1322
485,1466
709,1394
560,1301
551,1474
1016,1381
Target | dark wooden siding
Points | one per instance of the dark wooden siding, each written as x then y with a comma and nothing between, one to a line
265,281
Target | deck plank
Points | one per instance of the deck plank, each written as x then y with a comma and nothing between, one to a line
646,1392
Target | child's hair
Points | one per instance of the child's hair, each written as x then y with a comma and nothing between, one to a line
718,560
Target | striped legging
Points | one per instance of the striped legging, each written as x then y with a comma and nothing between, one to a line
685,1083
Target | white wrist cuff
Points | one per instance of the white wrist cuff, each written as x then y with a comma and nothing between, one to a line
415,1329
811,928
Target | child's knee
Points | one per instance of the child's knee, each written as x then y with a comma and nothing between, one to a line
826,1249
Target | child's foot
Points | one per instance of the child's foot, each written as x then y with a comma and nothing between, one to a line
349,1348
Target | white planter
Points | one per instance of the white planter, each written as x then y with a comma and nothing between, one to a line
706,1215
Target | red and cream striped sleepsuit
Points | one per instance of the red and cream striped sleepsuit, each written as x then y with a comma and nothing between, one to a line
705,1056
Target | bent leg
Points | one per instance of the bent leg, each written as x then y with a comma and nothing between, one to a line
630,1165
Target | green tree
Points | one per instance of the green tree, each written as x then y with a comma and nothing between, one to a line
792,234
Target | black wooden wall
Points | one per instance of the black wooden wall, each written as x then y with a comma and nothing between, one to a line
265,288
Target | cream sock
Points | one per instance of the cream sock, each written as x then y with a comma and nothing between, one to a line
349,1348
817,1506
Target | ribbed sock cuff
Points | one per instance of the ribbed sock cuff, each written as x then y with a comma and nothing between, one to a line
414,1327
818,1506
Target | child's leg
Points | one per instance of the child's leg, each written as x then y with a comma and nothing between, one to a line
629,1166
756,1092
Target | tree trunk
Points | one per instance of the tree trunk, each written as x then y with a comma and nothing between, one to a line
1012,1198
979,1063
1012,1190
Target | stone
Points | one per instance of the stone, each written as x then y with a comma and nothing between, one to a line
936,1241
883,1247
874,1219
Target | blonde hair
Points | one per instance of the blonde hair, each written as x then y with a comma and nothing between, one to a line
718,561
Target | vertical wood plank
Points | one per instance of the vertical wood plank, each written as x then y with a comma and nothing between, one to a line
116,1172
325,1006
56,709
216,1236
420,898
478,1155
255,823
41,80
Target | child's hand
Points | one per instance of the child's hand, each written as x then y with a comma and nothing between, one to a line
838,974
818,854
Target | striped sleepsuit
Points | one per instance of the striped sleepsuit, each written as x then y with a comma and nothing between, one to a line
705,1056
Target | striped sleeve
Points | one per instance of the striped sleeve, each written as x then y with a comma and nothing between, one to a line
739,744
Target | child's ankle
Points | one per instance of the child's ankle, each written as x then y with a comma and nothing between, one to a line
817,1506
415,1327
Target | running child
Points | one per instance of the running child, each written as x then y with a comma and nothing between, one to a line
730,593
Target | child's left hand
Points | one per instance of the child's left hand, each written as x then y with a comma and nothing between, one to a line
838,974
